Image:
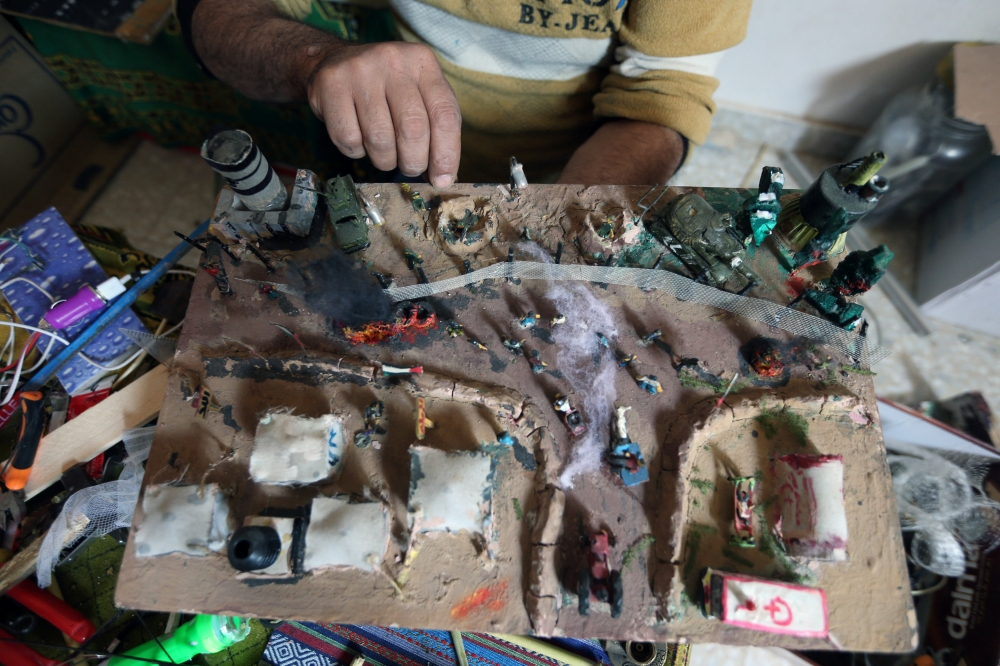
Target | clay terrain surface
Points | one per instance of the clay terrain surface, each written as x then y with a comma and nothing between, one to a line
549,490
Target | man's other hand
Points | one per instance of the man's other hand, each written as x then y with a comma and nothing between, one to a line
625,152
389,101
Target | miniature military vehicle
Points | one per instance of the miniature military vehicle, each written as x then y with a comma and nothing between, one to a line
349,228
598,579
705,241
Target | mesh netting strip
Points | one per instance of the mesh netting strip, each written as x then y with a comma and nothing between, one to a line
678,286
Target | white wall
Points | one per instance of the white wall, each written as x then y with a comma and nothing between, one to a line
840,61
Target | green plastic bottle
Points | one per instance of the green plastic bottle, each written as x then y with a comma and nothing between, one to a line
205,634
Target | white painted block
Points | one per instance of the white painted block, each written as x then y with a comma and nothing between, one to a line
182,519
289,449
341,534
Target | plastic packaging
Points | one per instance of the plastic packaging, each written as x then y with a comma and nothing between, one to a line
928,150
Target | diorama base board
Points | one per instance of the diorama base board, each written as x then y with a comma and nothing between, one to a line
520,578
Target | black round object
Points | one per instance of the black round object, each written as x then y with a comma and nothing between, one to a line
830,209
255,547
641,653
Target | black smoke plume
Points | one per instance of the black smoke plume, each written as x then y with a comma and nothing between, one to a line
341,289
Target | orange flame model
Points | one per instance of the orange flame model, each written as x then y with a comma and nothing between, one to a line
379,331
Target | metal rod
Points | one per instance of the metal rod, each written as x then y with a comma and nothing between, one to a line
192,241
118,306
267,264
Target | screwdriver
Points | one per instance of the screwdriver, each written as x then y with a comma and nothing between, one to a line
15,477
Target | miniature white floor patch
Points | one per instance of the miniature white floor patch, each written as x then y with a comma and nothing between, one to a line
449,491
813,520
289,449
341,534
182,519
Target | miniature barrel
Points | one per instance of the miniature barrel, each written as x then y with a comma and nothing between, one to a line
254,547
235,157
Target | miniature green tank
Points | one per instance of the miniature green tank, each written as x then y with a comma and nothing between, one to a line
349,227
704,240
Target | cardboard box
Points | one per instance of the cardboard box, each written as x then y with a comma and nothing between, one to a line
958,275
37,116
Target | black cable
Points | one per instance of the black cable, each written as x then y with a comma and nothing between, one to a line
104,627
157,639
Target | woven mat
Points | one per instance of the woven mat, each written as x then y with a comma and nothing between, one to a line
310,644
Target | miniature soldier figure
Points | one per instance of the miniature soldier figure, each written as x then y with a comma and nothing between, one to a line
650,338
537,364
529,320
625,360
412,258
455,329
479,344
513,346
649,384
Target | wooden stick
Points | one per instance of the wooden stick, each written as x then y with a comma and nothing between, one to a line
97,429
22,565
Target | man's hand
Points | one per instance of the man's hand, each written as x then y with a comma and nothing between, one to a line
391,102
625,152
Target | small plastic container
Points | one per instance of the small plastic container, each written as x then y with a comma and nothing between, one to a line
88,299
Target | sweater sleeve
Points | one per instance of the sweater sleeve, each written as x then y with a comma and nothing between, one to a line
666,62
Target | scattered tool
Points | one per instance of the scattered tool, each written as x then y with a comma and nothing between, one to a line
15,476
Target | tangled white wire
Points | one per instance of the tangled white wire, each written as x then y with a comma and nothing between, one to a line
942,502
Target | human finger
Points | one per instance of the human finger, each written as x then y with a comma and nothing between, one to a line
409,119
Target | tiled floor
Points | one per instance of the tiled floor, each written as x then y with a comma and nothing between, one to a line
159,191
156,192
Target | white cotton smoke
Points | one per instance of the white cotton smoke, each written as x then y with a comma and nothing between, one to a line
593,383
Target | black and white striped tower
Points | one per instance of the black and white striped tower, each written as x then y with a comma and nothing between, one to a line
235,157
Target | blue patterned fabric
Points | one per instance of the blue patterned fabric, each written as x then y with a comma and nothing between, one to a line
311,644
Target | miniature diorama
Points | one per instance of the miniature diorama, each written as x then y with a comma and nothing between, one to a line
639,414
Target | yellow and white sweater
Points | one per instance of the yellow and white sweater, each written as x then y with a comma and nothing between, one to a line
535,77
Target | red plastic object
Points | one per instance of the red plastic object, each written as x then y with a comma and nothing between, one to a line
81,403
10,409
95,468
14,653
57,612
